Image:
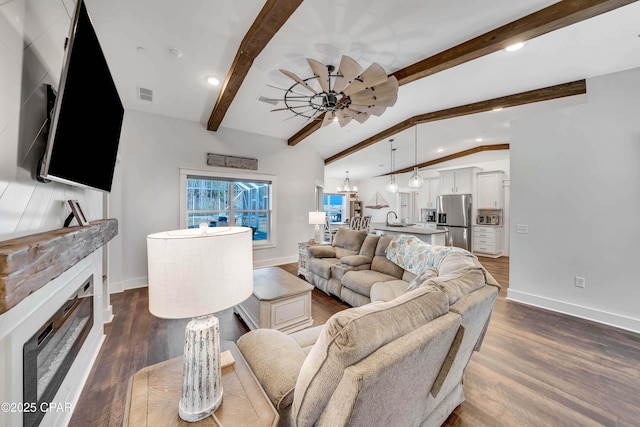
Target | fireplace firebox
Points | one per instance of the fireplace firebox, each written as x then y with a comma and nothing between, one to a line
48,355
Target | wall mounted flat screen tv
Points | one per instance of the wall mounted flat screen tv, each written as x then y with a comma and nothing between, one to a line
84,130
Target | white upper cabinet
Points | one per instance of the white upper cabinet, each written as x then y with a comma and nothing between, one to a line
429,193
458,181
490,190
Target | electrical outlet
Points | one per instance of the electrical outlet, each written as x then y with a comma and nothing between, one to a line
580,282
522,228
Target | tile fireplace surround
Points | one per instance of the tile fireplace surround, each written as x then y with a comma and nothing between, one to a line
38,275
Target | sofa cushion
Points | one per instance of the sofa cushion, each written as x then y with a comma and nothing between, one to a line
361,281
322,266
459,283
275,359
368,248
422,278
457,261
321,252
353,334
380,262
386,291
351,240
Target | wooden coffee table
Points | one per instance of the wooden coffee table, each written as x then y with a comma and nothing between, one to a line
279,301
154,393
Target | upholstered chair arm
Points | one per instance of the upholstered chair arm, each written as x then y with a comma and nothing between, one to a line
321,252
275,359
355,260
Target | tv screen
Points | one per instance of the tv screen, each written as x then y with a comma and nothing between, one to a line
84,130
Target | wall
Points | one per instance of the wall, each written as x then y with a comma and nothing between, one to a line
576,184
154,148
32,34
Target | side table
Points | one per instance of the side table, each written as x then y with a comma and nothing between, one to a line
154,393
303,257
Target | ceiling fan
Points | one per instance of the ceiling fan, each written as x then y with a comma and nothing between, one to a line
349,94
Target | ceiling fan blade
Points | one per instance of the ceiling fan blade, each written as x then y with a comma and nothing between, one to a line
384,95
348,69
374,110
321,71
343,119
328,118
372,76
360,116
298,80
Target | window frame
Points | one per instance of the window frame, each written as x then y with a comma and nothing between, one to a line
233,176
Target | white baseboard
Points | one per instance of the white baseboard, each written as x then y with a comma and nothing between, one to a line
611,319
274,261
107,314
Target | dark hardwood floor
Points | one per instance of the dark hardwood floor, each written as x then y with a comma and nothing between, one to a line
535,367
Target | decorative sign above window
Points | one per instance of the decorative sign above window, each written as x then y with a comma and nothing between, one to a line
232,161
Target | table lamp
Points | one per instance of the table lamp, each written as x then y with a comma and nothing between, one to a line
317,218
195,273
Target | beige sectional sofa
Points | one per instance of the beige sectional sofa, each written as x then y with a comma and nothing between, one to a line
353,264
397,361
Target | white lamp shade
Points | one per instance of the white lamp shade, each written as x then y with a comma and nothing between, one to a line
196,272
316,218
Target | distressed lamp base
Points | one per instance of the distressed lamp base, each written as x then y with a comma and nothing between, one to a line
201,375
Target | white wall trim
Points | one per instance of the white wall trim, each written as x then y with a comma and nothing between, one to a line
275,261
587,313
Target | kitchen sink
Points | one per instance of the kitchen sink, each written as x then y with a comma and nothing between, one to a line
400,225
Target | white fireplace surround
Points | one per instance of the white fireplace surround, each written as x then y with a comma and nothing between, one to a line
18,325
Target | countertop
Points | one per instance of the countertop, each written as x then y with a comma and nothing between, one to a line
409,230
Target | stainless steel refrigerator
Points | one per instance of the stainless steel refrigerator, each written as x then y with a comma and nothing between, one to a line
453,214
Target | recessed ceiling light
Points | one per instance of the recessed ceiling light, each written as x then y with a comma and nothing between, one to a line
175,52
213,81
440,150
479,139
498,109
514,47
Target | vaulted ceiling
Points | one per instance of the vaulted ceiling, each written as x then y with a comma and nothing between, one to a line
447,55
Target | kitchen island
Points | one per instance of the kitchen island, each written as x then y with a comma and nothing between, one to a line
427,235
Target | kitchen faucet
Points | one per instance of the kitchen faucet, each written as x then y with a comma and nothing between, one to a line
394,214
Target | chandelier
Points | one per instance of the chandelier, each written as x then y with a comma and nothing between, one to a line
346,186
416,180
341,96
392,185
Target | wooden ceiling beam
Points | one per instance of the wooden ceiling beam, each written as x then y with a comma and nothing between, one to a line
545,94
270,19
551,18
453,156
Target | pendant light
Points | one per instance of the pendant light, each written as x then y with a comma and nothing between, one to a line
416,180
392,185
346,186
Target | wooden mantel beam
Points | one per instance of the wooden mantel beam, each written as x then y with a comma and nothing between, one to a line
270,19
545,94
554,17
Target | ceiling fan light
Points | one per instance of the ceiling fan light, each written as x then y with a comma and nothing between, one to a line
416,181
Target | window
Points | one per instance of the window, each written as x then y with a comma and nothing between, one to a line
225,199
334,207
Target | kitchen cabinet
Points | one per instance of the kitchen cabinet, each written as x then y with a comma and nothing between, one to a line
490,190
429,193
487,241
458,181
